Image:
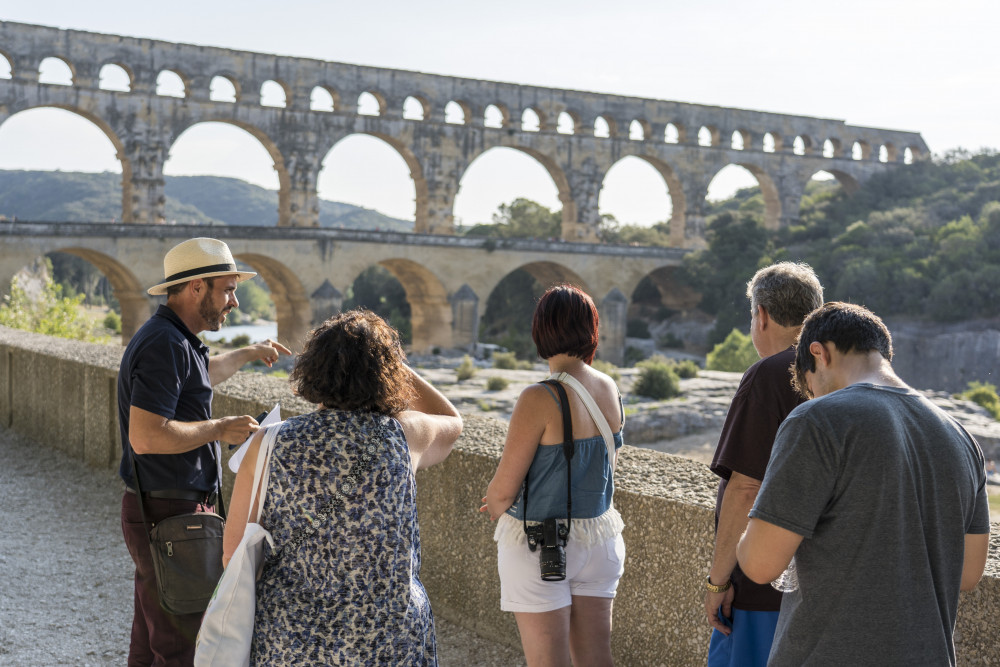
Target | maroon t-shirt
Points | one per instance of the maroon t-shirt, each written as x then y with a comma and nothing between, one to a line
762,401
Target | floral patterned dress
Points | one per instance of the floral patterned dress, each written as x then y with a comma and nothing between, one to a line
349,593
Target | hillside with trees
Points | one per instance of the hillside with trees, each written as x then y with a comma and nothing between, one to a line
190,200
918,242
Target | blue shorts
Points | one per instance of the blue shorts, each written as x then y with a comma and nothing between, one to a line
748,645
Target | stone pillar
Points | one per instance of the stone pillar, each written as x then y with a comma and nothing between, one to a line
299,204
326,301
442,168
142,179
695,222
136,307
581,213
465,318
613,311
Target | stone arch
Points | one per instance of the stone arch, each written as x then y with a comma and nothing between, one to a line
673,133
861,150
673,293
430,309
768,189
108,131
675,191
496,115
6,65
274,88
638,129
421,216
847,181
165,78
458,112
740,140
605,126
416,107
554,171
321,97
888,152
832,147
219,87
568,122
708,135
772,143
115,68
284,182
802,145
125,285
56,61
532,120
291,302
364,102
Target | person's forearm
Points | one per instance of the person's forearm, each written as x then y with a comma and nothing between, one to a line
223,366
173,437
736,505
429,400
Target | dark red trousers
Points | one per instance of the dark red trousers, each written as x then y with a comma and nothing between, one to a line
158,639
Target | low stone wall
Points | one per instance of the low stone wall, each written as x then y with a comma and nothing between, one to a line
62,394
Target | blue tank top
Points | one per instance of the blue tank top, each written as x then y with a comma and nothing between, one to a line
593,483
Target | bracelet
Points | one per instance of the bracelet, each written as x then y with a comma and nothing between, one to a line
720,588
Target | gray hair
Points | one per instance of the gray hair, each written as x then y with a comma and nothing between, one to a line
788,291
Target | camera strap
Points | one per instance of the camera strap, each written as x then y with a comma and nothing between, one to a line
568,447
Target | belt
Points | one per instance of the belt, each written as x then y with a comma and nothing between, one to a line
179,494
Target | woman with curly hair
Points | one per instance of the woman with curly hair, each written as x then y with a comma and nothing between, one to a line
571,485
340,584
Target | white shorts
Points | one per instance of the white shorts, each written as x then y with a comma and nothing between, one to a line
590,571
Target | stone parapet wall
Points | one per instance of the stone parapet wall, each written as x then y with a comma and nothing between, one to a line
62,394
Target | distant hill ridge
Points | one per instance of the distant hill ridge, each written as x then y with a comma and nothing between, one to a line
200,200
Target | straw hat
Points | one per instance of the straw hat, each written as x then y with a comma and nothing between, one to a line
198,258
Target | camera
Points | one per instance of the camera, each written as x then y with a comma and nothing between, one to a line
551,536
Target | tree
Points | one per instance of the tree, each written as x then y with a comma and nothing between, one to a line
378,290
51,313
735,354
521,219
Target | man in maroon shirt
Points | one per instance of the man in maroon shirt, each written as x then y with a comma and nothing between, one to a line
744,614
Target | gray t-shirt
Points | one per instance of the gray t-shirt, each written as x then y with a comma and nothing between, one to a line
883,486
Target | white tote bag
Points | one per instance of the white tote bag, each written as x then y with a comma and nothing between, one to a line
227,627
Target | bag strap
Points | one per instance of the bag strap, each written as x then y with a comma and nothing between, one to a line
595,413
568,448
262,469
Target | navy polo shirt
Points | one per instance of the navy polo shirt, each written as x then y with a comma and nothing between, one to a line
165,371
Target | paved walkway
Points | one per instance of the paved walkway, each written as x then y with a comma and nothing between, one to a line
66,577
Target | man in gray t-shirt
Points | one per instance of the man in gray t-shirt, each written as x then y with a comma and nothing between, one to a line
881,499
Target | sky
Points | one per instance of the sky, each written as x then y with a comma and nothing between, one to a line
918,65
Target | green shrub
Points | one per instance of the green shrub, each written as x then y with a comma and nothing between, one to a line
466,369
240,340
496,383
657,379
686,369
736,353
985,395
607,368
113,321
509,361
52,314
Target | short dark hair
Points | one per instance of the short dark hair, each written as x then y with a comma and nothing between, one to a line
788,291
354,361
851,328
565,322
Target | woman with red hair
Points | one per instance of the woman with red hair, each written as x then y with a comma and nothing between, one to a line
548,488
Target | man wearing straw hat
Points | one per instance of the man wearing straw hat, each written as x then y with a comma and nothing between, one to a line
165,416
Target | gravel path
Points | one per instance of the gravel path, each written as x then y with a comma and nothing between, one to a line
66,577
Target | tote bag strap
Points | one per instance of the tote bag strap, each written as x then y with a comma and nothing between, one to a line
262,468
595,412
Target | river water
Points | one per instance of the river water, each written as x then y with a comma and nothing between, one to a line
257,332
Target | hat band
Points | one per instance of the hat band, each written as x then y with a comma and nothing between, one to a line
213,268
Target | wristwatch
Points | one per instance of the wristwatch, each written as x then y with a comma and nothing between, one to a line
720,588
